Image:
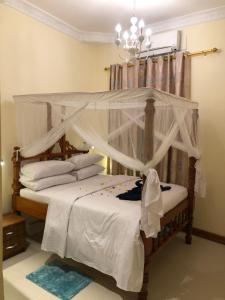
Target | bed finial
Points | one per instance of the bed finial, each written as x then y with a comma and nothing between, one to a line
17,153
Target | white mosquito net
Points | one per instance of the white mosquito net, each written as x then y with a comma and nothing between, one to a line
166,121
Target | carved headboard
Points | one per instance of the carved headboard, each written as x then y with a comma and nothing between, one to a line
64,150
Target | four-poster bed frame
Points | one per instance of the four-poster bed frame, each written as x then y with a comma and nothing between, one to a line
179,218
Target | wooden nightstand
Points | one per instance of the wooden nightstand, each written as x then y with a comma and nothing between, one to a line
13,235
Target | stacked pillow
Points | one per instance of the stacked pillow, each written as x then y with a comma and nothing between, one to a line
85,165
43,174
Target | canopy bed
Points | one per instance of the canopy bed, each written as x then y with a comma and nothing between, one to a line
154,122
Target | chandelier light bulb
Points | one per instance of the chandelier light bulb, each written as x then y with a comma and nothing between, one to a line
126,35
141,24
133,29
148,32
118,28
133,20
133,36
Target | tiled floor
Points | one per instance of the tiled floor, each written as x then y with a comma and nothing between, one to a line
179,272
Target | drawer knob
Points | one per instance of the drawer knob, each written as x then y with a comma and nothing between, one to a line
11,247
10,233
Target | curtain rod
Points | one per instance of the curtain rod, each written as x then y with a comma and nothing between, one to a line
173,56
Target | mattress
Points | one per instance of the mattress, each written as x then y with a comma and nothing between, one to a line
170,198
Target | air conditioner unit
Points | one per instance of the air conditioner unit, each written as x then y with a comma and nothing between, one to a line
162,43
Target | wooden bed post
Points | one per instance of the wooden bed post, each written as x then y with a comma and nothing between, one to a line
148,135
191,199
148,244
191,187
16,186
148,154
49,116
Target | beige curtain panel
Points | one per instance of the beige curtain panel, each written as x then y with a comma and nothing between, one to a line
166,74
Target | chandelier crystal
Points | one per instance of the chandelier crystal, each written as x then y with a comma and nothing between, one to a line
132,40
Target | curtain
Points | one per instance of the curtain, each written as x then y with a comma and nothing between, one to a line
122,77
165,73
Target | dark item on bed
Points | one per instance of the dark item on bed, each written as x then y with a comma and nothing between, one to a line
135,193
13,235
178,219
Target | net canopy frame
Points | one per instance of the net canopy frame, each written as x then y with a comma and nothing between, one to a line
149,122
42,119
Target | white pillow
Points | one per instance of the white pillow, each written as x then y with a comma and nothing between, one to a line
44,183
43,169
84,160
88,172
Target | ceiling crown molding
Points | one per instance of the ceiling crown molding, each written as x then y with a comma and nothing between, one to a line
56,23
190,19
35,12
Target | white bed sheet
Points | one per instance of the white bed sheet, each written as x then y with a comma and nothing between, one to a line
97,228
170,198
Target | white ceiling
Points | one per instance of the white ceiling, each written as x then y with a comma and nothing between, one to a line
102,15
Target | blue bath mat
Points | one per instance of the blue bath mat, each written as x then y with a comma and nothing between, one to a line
59,279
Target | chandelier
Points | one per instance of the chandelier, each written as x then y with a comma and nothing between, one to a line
132,40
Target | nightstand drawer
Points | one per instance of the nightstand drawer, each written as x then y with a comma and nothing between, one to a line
12,231
13,246
13,235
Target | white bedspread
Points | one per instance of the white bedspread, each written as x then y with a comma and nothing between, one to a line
86,222
102,234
